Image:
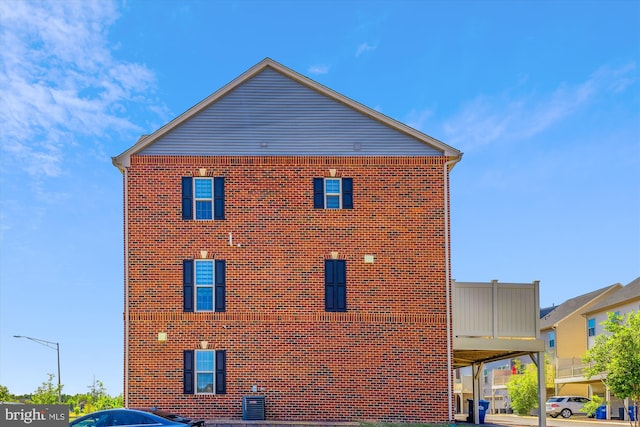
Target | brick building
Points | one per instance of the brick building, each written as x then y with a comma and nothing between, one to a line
283,240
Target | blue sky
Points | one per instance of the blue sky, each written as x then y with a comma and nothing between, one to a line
543,98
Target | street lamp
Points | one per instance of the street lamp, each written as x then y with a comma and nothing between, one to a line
55,346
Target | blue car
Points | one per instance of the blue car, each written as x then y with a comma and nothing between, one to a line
174,417
123,418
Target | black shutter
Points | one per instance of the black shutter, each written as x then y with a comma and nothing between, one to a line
187,372
347,193
335,285
220,285
221,372
187,285
341,285
187,197
218,198
318,193
329,286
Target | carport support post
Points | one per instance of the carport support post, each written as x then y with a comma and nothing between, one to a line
542,388
476,369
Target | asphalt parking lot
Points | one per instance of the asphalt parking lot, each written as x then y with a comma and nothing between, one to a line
511,420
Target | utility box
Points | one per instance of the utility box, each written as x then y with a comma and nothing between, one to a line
253,408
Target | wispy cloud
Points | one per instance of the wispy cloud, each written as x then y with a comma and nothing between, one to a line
488,119
61,82
318,69
417,119
364,47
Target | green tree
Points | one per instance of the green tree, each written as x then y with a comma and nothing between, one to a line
616,353
5,396
523,389
591,407
101,400
47,393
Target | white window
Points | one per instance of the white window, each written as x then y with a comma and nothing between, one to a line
332,193
203,197
204,285
205,371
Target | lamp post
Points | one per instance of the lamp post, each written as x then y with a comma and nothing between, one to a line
53,345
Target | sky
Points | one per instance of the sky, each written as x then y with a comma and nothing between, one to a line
543,98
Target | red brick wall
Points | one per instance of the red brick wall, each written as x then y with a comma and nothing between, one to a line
385,359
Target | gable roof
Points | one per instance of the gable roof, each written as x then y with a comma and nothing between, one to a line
573,305
623,295
546,310
123,160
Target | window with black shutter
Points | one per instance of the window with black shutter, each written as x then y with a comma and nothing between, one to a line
202,198
204,371
203,285
333,193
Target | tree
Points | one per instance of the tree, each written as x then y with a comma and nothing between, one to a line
47,393
616,354
100,398
5,396
592,406
523,389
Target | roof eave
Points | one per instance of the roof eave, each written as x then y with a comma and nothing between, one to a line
608,307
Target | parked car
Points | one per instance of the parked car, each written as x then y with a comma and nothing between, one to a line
566,405
174,417
123,418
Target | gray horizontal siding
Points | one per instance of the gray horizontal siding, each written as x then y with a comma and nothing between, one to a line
270,114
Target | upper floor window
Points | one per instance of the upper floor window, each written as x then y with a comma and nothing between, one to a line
202,198
335,285
204,371
203,285
333,193
591,327
552,339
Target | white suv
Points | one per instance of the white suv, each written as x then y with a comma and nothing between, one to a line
566,405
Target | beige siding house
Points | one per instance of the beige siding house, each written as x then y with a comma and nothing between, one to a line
565,331
621,301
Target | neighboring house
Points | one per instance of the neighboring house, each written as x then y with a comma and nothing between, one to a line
286,241
622,301
564,329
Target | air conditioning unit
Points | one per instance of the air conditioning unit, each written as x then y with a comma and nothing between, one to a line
253,408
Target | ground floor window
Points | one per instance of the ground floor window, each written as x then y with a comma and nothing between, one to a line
205,372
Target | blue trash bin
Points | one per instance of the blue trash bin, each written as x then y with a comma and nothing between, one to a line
601,412
483,406
633,413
